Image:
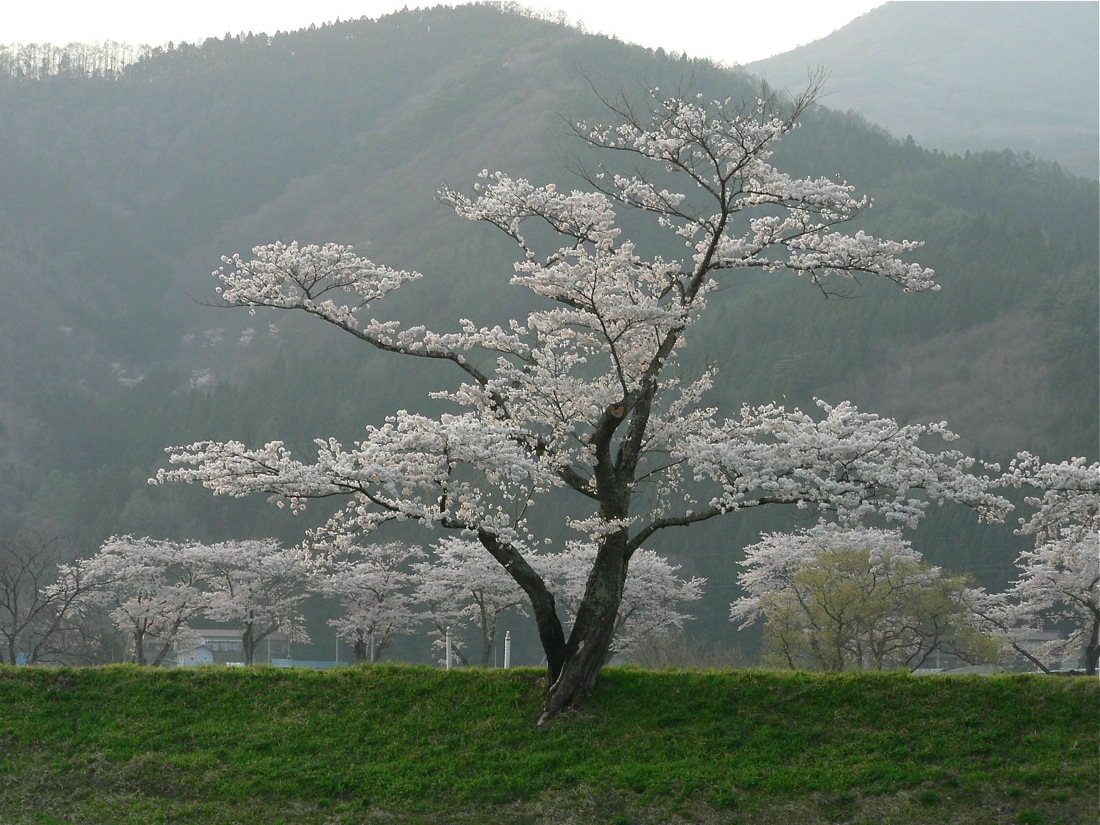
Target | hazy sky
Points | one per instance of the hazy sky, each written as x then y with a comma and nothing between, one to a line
730,31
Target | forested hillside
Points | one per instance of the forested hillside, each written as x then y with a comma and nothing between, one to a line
120,191
967,75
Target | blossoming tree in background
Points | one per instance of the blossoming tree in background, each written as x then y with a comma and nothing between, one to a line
588,396
373,590
1058,588
152,590
258,586
459,585
856,599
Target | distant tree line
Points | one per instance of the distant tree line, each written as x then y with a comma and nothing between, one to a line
37,61
55,608
111,59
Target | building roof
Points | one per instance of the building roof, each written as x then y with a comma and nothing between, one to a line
216,633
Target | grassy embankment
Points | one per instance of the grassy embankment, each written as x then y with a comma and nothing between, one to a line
403,744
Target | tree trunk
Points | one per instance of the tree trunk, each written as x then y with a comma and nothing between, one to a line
1092,649
248,644
488,633
139,647
169,643
587,649
162,654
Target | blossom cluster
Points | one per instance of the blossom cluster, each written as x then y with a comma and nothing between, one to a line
850,464
1058,586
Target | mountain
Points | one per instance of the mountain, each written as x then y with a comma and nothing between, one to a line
121,188
967,76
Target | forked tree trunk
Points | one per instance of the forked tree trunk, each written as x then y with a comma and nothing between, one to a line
573,665
587,649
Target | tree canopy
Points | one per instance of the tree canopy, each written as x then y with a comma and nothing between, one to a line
856,599
588,396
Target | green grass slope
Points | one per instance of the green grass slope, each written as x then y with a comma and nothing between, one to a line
401,744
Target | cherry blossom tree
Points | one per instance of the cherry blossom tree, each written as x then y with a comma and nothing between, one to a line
462,584
855,599
152,589
1059,582
257,585
373,590
652,596
588,396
